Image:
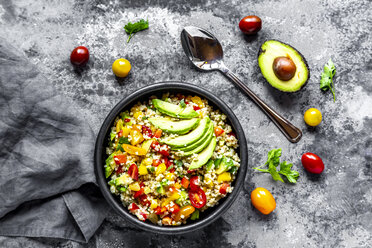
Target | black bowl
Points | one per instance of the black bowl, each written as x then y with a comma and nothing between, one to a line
208,216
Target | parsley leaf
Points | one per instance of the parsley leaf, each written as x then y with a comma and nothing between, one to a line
273,160
326,80
132,28
124,140
182,103
112,136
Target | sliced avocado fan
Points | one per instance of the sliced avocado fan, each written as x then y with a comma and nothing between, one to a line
199,144
174,110
204,156
177,127
187,139
273,49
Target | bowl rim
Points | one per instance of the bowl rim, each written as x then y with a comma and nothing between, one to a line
131,99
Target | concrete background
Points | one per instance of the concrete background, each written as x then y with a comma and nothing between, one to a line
333,210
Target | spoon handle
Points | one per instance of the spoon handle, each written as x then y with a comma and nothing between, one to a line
292,133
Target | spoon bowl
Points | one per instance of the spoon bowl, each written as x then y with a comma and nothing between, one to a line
205,52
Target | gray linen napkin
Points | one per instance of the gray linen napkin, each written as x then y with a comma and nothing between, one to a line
46,157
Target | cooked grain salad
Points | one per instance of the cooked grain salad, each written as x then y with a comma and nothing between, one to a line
170,159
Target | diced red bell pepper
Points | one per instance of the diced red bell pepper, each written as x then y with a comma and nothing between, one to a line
147,131
185,182
144,201
127,120
133,207
174,208
196,108
144,216
120,158
164,150
156,162
158,133
119,170
218,131
223,188
155,145
160,210
138,193
120,133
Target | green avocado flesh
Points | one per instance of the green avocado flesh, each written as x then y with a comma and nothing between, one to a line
200,147
174,110
272,49
200,141
187,139
178,127
204,156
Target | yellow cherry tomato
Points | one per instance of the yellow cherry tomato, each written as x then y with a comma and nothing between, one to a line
313,117
263,200
121,67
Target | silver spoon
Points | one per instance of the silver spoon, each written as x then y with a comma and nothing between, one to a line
205,52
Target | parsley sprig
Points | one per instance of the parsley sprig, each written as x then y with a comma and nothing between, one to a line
132,28
326,80
273,160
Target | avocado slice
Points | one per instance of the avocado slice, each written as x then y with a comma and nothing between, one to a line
200,141
204,156
185,140
225,165
178,127
200,147
174,110
272,49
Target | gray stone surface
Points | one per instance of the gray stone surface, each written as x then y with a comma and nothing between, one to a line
333,210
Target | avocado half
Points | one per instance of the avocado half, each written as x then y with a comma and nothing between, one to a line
272,49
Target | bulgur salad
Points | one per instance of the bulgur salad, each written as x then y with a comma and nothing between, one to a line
171,158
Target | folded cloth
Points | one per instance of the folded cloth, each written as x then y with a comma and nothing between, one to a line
46,156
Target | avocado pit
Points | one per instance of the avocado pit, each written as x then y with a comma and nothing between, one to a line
284,68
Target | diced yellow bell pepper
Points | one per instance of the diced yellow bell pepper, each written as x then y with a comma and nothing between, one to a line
138,115
160,169
224,177
135,186
154,204
147,190
119,125
137,137
169,176
198,101
208,182
174,196
177,185
126,131
147,161
142,170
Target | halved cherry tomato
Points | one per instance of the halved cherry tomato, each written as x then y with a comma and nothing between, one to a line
196,108
120,158
223,188
144,216
79,56
218,131
156,162
158,133
133,171
164,150
263,200
134,150
185,211
194,183
198,198
133,207
312,163
185,182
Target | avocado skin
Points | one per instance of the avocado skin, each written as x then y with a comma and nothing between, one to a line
260,51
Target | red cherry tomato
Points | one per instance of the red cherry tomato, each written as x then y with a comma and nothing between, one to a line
164,150
155,145
160,210
312,163
174,208
223,188
144,201
156,162
79,56
120,158
194,183
133,207
133,171
197,198
250,24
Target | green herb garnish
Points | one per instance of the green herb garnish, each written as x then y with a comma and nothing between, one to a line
112,136
124,140
273,159
182,103
132,28
326,80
